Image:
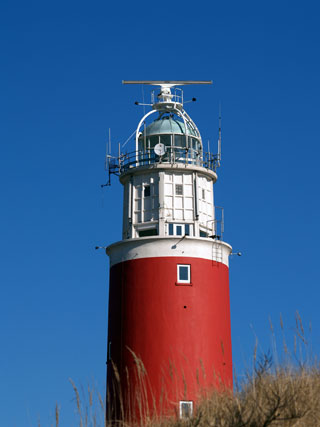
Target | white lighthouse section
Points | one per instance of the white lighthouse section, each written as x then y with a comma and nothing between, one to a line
167,201
168,187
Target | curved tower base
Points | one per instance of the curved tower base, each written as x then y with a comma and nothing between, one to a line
169,341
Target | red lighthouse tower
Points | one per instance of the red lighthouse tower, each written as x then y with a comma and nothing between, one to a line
169,337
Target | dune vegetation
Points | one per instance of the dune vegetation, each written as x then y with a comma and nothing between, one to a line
273,393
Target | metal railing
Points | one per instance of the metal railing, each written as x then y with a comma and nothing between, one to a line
216,226
176,95
173,155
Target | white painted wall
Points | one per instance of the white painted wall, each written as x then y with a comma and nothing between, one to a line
178,196
179,207
154,247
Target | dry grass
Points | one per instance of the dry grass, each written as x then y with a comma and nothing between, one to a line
285,396
285,393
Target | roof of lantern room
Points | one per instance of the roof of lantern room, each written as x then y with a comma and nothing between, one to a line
168,125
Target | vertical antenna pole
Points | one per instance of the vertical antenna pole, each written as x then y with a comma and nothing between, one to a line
110,141
144,107
222,223
107,163
219,140
106,159
119,158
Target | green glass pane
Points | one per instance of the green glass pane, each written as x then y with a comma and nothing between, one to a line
154,140
166,140
179,140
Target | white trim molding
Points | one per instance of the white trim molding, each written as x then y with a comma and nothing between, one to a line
171,246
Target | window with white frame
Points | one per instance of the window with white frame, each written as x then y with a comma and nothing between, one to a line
145,198
180,229
148,232
203,233
179,196
185,409
183,273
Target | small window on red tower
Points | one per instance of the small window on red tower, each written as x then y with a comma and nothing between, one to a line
183,273
185,409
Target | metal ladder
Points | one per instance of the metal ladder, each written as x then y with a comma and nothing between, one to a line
217,252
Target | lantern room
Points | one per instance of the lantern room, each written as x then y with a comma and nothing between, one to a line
168,179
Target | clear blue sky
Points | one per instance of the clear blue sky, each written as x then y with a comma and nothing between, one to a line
61,67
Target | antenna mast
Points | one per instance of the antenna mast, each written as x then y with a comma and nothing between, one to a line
219,140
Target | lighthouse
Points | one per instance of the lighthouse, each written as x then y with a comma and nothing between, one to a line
169,334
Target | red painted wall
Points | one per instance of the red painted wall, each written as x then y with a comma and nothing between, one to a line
181,333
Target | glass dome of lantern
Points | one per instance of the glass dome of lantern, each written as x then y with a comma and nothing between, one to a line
181,139
172,137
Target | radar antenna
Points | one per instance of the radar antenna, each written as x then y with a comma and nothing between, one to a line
166,85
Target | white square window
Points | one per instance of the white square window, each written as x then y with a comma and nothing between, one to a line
185,409
183,273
